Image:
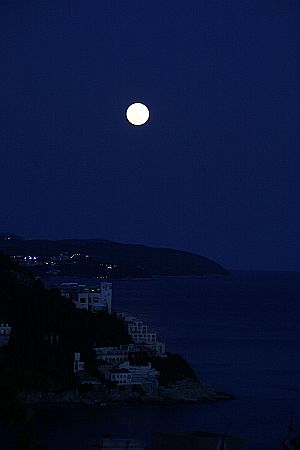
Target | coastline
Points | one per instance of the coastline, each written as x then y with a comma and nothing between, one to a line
184,391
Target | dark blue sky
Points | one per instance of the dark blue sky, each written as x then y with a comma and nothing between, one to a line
215,171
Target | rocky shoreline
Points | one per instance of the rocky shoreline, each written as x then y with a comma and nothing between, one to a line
184,391
190,391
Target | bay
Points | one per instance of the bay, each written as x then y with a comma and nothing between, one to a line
240,333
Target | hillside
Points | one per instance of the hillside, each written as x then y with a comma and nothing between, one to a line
38,315
130,260
46,331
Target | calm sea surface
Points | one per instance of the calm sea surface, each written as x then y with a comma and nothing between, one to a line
240,333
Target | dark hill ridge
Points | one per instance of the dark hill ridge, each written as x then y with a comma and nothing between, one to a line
152,260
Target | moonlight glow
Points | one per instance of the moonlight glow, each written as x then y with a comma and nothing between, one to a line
137,114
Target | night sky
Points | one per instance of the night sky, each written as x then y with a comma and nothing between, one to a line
216,170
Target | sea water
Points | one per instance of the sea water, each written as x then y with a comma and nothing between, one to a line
240,333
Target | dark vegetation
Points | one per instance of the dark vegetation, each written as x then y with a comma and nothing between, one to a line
19,418
46,331
173,368
133,260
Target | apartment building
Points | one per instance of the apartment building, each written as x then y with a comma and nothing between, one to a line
92,299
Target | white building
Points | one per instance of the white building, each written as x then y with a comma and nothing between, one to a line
157,348
105,369
141,334
141,374
138,330
121,376
78,365
5,331
113,355
91,299
133,375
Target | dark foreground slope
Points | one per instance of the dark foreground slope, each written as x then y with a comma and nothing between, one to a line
135,260
46,331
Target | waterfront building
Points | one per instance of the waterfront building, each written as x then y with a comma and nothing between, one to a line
113,355
121,376
145,376
5,331
141,374
94,299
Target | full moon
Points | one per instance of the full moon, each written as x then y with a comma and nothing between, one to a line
137,114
